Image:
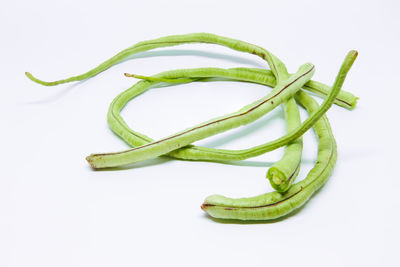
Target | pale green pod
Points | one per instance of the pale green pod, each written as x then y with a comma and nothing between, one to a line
247,114
169,41
274,205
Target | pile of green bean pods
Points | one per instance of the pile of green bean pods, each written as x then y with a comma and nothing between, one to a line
288,90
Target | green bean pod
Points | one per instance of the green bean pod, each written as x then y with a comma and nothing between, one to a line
274,205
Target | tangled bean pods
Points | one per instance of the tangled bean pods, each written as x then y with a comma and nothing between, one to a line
287,90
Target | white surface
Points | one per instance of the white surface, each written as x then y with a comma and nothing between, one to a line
56,211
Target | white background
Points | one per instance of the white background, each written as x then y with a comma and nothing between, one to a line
56,211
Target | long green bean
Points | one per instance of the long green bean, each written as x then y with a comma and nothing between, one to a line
274,204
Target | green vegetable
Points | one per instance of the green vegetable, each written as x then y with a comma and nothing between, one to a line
286,86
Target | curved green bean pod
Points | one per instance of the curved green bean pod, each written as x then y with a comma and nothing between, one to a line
274,205
168,41
344,99
247,114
